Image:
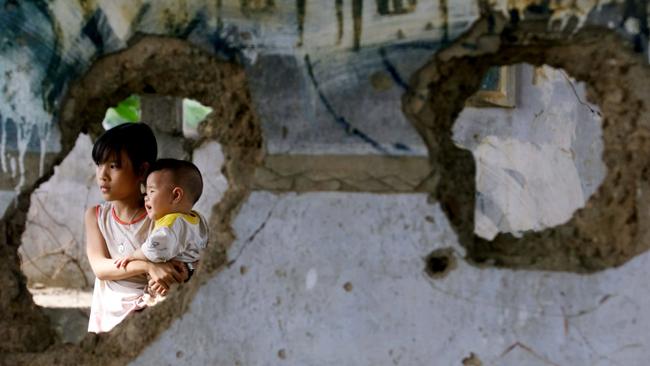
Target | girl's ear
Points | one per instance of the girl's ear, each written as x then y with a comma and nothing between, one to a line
177,194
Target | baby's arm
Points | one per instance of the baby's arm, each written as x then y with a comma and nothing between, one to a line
137,255
161,246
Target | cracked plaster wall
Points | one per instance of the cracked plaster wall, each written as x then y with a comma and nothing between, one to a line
347,73
295,253
536,164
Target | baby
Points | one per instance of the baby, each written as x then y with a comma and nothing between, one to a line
173,187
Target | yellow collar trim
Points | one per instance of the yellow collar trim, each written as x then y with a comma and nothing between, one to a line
169,219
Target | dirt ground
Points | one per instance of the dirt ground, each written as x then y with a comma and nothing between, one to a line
60,297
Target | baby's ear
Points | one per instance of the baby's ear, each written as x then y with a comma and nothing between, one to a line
177,194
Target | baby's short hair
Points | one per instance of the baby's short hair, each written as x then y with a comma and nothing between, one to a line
184,173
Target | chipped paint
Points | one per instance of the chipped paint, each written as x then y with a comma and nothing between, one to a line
300,13
444,15
561,12
357,20
339,21
66,36
526,203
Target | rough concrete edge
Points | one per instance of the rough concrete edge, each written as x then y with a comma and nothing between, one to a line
606,232
21,317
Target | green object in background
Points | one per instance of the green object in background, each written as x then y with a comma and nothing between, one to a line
194,112
127,110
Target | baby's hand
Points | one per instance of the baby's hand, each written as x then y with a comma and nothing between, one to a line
122,262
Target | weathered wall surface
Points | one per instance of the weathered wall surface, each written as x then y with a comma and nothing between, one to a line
536,164
338,278
319,276
53,246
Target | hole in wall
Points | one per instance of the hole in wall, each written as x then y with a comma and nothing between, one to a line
537,146
53,252
608,230
232,131
126,111
440,262
157,107
164,64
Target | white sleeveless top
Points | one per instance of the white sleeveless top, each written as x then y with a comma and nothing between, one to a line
114,300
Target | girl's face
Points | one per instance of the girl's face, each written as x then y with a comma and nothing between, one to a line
117,180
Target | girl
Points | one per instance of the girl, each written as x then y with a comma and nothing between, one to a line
117,227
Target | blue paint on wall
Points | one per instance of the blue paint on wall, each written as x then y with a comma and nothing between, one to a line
401,146
340,120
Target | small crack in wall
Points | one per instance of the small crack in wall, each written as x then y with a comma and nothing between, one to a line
348,173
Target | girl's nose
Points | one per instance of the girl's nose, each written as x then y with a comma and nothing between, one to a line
101,172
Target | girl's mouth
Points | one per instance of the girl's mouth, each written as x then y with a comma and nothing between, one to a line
104,189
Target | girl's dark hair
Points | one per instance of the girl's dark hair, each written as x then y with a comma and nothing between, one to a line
136,139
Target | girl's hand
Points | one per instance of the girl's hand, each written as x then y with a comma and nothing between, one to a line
181,267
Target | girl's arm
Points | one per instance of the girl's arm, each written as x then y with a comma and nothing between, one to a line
98,256
104,267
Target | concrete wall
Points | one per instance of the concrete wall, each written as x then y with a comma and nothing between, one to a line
53,249
338,278
328,265
537,163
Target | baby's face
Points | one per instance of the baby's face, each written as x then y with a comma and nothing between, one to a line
159,199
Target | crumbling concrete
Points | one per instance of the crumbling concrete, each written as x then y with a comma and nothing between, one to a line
173,68
607,232
165,115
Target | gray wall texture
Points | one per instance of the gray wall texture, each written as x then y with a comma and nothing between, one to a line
338,252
